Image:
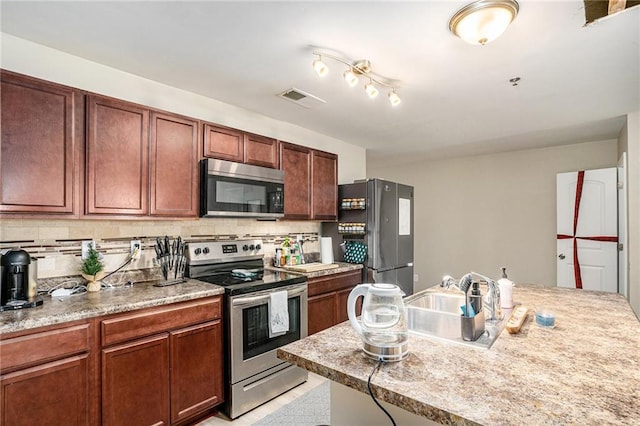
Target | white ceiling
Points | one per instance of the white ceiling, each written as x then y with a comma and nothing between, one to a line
577,82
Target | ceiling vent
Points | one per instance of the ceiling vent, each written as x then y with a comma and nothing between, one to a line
301,98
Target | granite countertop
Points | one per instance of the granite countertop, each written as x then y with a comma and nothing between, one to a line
106,301
342,267
586,370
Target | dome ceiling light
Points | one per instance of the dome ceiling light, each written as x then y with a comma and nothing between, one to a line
354,70
483,21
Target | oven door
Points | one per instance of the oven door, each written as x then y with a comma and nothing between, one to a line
240,190
252,350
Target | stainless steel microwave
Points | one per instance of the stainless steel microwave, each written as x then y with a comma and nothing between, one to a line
230,189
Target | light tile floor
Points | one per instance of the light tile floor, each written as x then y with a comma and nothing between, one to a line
258,413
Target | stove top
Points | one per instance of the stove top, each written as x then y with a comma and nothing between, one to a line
238,266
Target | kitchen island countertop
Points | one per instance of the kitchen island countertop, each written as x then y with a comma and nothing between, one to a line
75,307
586,370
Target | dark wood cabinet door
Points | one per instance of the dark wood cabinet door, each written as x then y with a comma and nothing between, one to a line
196,369
324,170
260,151
223,143
42,135
322,312
55,393
117,158
341,305
295,161
328,297
174,166
135,382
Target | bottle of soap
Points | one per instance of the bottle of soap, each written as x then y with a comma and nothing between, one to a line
476,297
506,290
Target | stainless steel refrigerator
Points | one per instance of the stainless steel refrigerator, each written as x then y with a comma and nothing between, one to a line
378,213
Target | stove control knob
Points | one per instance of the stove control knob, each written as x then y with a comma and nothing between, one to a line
245,247
205,250
251,247
258,246
197,251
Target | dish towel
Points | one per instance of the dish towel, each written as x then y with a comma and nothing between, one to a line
278,313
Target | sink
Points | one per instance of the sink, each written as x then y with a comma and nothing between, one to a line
437,315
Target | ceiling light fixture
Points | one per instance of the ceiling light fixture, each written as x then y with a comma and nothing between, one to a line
359,68
483,21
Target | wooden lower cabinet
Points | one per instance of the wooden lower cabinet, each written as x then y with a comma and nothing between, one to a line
322,312
196,369
327,301
162,365
135,383
55,393
154,366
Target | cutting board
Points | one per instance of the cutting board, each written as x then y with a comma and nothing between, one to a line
311,267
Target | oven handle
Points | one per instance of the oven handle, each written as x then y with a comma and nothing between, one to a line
253,300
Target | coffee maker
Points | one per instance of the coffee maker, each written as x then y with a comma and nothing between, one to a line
17,290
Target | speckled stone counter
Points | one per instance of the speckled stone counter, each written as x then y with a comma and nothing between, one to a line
106,301
584,371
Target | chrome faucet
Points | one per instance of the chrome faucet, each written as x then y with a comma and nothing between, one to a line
448,281
491,300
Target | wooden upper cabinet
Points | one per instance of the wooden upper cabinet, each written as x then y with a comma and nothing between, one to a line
235,145
295,161
117,157
260,151
223,143
174,160
310,183
324,170
42,135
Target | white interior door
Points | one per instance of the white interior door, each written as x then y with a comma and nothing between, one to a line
587,230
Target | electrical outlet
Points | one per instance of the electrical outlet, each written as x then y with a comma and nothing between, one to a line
416,278
86,245
136,245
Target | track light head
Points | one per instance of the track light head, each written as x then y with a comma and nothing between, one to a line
320,67
350,77
394,99
371,90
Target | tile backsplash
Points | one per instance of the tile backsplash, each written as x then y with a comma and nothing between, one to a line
57,244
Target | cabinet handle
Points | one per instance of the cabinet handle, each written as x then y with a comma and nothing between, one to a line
561,256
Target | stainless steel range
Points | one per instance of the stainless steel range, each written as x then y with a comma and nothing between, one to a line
253,373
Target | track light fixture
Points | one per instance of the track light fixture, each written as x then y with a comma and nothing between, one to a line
355,69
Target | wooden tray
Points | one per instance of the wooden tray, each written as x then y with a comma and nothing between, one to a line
311,267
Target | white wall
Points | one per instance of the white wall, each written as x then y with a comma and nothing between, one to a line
33,59
483,212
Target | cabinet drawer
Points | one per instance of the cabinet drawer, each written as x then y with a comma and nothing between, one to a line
155,320
36,348
329,283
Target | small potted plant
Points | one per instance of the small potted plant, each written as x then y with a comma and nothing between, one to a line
92,270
